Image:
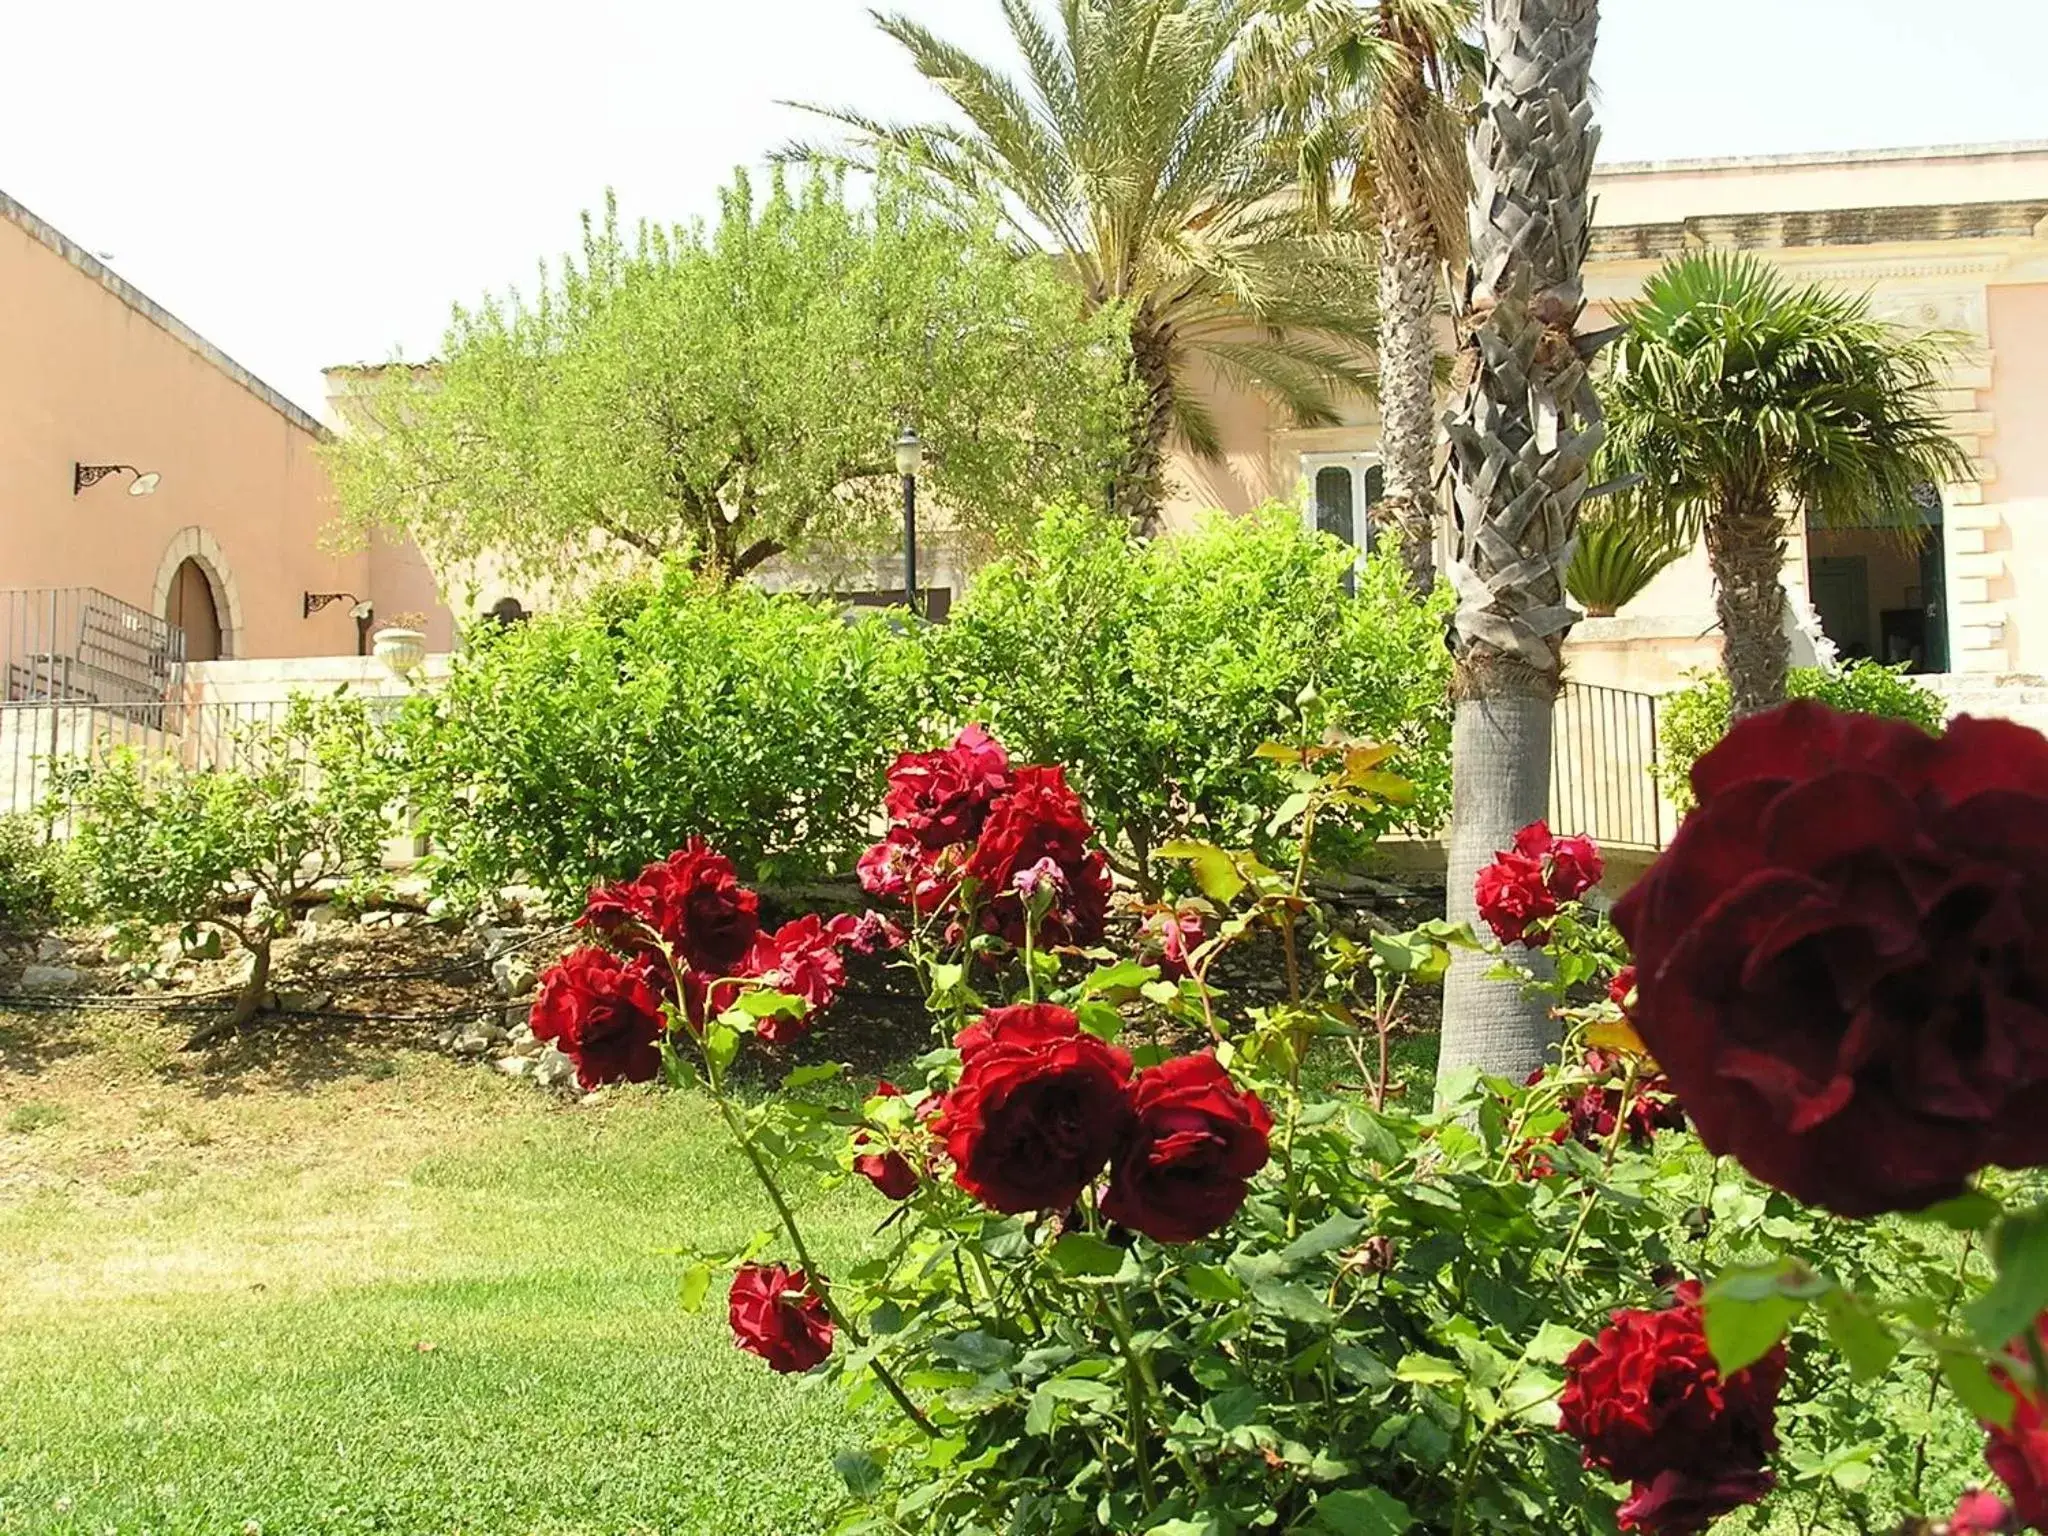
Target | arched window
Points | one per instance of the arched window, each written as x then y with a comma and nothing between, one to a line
190,606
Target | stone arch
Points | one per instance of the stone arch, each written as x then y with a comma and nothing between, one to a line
203,550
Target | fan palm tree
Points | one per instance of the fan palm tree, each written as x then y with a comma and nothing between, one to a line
1523,439
1128,152
1377,95
1739,398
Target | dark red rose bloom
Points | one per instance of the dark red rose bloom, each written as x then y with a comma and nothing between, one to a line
1679,1503
1594,1107
1647,1405
941,798
1842,959
777,1316
866,932
1981,1513
604,1013
1041,818
1575,867
1196,1139
1039,1108
693,899
1511,895
1618,989
890,1172
1167,936
802,959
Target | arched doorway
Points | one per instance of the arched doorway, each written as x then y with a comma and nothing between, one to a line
191,607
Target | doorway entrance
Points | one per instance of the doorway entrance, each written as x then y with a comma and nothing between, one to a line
1882,591
191,607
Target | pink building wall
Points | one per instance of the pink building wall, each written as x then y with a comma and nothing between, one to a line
92,371
2017,403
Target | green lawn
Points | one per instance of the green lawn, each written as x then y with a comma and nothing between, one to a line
344,1288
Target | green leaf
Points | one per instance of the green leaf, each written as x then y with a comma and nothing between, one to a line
1212,1283
2019,1291
1201,1525
1405,954
1553,1343
1288,812
771,1005
721,1044
1100,1020
696,1284
1362,1512
860,1471
1972,1211
821,1072
1428,1371
1215,871
1043,1413
1748,1311
1975,1388
1374,1138
1332,1233
1082,1254
1865,1342
1295,1302
1124,976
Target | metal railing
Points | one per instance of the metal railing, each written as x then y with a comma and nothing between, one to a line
1603,754
40,738
78,645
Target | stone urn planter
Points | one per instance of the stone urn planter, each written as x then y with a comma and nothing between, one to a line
403,651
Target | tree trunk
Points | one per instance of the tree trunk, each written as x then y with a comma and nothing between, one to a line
1141,486
1407,369
247,1001
1496,742
1746,551
1522,441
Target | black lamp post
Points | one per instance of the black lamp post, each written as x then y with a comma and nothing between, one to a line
909,455
311,603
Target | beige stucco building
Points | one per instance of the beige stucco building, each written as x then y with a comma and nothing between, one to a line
1947,238
100,387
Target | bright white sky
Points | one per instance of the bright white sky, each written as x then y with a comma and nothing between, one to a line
311,184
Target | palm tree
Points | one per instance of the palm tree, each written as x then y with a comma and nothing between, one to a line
1523,438
1129,154
1377,94
1740,398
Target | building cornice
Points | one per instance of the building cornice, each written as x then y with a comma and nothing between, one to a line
2017,149
1826,229
93,268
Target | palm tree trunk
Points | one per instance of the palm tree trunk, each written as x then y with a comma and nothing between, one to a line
1746,551
1407,369
1141,487
1522,441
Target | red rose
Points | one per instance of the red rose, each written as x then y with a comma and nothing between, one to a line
1684,1503
865,933
941,798
890,1172
1843,956
1647,1404
1168,936
1038,1110
802,959
604,1014
1511,895
1618,989
1575,867
1593,1108
898,869
776,1315
1981,1513
693,900
1195,1141
2018,1451
1041,819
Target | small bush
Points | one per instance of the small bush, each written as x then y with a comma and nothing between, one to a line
584,744
1693,720
230,848
1153,670
32,875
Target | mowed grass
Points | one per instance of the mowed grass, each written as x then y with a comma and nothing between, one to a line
345,1287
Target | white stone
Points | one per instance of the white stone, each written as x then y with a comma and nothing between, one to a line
553,1069
514,975
473,1044
49,978
49,949
515,1066
301,1000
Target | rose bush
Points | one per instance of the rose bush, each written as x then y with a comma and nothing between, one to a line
1156,1253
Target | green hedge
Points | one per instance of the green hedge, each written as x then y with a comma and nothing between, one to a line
1693,720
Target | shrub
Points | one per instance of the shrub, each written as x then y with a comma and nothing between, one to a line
580,745
1691,721
32,874
1152,670
231,847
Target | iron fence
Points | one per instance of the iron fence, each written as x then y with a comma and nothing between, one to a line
39,739
1602,768
77,645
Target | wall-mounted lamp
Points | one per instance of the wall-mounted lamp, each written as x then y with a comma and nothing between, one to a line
363,612
85,476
